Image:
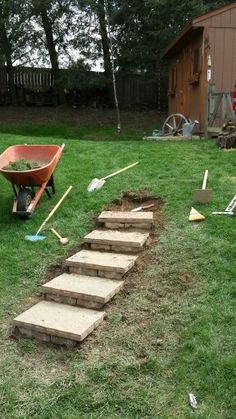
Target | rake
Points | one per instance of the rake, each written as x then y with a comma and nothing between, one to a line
37,236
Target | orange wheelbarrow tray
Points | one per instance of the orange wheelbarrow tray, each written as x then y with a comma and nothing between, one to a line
29,185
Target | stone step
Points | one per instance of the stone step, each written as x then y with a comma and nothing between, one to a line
81,290
107,265
118,241
58,323
125,219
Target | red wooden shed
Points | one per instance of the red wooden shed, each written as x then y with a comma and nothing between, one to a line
202,67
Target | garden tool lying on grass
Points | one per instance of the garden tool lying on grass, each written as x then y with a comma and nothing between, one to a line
98,183
229,209
37,237
195,215
143,207
62,240
202,195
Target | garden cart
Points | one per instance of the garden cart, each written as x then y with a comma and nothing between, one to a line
28,185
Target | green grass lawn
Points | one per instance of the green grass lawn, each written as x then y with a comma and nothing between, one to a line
170,333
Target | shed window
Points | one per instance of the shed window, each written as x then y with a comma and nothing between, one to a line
196,61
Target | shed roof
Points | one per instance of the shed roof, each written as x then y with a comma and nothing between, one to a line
192,28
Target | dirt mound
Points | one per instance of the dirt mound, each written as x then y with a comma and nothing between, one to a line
137,198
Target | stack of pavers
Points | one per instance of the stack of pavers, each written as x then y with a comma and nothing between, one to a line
73,301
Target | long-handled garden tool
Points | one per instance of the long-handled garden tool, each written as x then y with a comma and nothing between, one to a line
229,209
36,236
202,195
143,207
62,240
98,183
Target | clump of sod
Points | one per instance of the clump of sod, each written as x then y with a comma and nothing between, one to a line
21,165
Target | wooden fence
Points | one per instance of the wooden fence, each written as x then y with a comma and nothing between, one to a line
137,91
31,78
35,86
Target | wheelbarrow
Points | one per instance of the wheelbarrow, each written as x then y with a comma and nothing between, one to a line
29,185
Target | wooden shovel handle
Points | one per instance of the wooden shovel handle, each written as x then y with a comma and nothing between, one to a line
148,206
204,183
121,170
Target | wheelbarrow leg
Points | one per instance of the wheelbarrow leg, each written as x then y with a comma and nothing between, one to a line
51,185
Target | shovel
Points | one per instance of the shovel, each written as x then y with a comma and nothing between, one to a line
98,183
144,207
202,195
37,236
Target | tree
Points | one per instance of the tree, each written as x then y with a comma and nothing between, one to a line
53,16
13,35
143,29
101,10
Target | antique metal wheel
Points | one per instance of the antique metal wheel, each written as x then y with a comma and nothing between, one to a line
173,125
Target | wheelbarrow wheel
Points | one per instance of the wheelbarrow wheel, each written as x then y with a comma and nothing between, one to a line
24,199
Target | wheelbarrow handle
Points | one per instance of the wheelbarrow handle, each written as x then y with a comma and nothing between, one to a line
60,150
58,154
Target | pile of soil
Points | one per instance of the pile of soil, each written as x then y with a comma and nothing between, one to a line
22,165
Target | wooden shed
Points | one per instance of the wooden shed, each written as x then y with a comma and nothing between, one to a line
202,68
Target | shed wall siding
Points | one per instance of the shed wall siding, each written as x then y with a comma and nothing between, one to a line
219,40
189,98
223,55
226,19
222,38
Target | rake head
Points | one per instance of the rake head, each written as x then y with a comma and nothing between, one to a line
34,238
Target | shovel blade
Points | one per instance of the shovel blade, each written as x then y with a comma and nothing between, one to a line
202,196
95,184
34,238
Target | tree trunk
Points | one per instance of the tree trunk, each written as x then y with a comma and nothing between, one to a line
47,26
12,87
104,39
6,47
105,48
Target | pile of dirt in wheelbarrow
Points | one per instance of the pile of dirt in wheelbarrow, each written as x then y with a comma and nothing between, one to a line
21,165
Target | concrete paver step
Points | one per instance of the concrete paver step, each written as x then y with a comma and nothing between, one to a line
124,219
50,319
102,261
111,238
82,290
